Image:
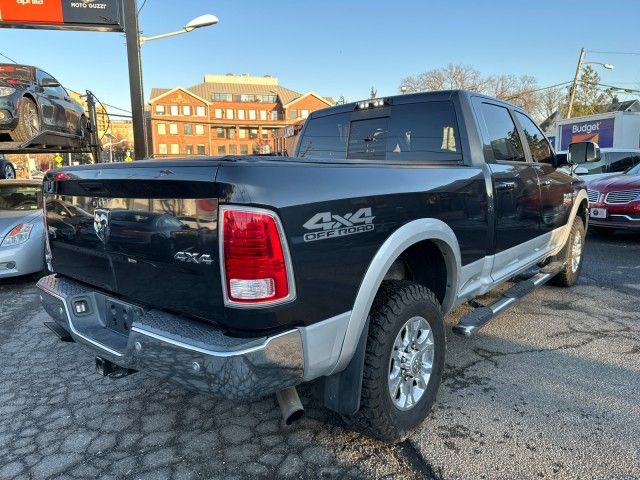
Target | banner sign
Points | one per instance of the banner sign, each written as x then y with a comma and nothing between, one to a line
98,15
598,131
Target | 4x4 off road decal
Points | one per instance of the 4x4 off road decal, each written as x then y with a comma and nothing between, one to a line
326,225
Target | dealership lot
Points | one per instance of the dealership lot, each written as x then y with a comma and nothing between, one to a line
550,389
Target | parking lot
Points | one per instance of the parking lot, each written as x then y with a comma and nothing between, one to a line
547,390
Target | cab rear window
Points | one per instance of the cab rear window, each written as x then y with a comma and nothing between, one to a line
416,132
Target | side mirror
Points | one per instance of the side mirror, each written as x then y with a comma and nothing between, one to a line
583,152
49,82
581,171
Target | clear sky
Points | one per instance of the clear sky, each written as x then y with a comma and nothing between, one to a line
343,47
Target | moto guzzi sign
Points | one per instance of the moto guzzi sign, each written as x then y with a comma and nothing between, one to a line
100,15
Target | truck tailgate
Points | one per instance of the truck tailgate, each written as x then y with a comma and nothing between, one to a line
146,232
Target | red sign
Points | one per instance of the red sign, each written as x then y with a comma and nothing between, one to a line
102,15
31,11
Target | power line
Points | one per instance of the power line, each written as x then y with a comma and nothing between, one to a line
142,6
526,92
614,53
8,58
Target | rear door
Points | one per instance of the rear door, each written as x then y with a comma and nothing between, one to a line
556,192
515,186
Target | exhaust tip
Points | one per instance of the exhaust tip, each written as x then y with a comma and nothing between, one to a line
294,417
290,405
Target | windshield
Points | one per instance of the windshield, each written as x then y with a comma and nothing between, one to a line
19,197
15,72
634,171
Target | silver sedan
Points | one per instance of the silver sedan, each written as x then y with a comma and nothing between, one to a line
21,228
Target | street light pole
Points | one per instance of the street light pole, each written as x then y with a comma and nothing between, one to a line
572,93
132,34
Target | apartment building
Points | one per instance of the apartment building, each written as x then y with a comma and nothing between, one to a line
225,115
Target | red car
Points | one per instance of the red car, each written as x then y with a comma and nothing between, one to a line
614,201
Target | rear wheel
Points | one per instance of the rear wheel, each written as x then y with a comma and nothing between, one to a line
403,362
7,172
572,255
28,121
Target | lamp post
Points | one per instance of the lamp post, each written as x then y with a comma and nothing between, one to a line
581,62
134,41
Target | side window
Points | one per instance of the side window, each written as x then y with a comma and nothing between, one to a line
538,144
622,161
504,139
597,167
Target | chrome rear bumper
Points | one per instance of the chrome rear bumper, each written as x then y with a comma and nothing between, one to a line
191,353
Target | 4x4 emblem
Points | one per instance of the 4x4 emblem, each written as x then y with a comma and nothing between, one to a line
189,257
101,219
331,225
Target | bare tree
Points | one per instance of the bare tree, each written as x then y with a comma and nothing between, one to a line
551,100
521,90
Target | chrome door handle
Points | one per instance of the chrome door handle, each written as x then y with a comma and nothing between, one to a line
505,186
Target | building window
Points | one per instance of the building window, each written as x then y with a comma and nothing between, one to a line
222,150
242,133
200,111
199,129
266,98
173,128
162,148
265,133
188,129
218,113
274,115
175,149
186,110
244,150
188,149
221,97
160,110
219,132
245,97
231,133
305,113
263,115
200,150
252,115
229,113
233,149
240,114
174,110
253,133
162,129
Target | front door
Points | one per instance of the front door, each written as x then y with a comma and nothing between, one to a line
516,192
556,192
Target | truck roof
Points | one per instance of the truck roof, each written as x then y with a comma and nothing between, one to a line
419,96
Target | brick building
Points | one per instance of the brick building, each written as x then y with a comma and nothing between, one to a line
225,115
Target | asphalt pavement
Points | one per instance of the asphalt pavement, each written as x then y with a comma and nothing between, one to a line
549,389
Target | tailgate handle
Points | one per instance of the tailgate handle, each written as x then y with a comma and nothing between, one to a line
93,187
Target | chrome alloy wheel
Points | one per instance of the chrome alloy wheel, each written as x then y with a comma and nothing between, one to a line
32,120
411,362
8,172
576,252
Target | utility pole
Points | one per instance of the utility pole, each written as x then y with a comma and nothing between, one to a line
132,34
572,92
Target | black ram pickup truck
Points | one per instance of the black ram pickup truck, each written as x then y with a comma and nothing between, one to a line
247,276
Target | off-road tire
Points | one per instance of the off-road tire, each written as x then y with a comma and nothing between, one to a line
395,303
568,276
23,131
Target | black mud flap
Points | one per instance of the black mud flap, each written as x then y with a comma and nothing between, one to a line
341,391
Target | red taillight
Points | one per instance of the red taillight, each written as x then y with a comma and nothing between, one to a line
254,256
